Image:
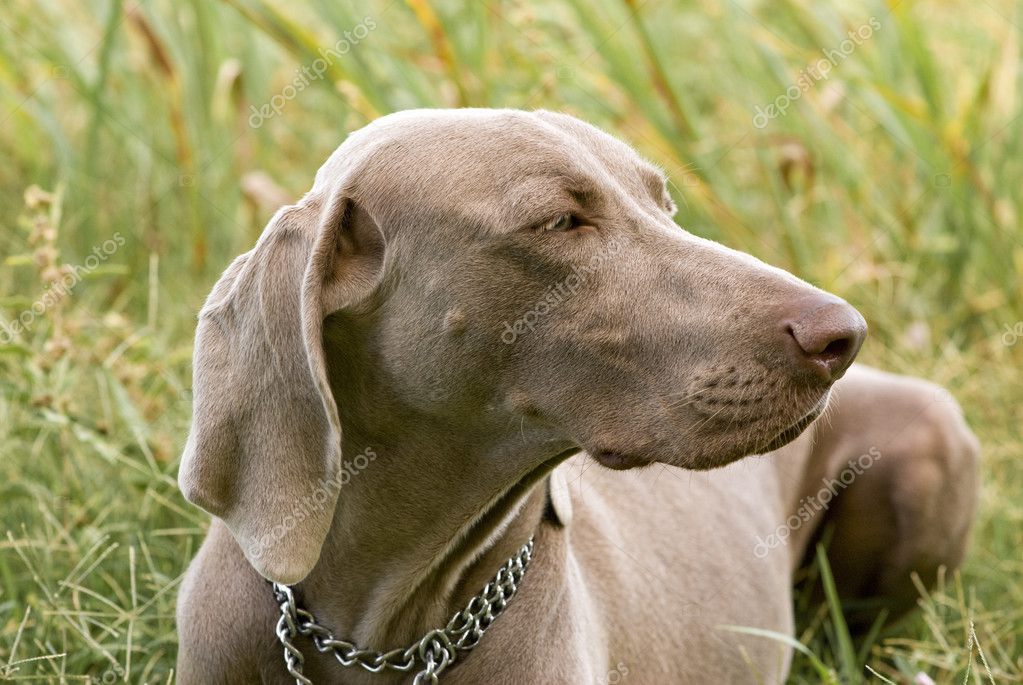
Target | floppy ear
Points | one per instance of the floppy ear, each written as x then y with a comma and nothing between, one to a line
264,451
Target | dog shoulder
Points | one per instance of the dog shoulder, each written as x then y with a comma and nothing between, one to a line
225,617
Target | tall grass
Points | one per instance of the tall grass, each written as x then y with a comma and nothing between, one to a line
894,182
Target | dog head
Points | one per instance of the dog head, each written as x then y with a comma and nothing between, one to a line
483,270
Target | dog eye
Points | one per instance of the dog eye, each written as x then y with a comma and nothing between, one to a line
564,222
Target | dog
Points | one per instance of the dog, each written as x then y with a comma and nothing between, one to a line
484,327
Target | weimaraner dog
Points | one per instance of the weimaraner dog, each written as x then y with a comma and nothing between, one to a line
483,327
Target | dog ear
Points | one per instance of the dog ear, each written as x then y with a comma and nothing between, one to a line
264,451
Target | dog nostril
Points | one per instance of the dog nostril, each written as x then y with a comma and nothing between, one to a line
828,334
837,348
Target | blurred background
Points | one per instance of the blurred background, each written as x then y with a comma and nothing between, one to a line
873,148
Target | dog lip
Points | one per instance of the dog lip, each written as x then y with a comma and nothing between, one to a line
792,432
618,461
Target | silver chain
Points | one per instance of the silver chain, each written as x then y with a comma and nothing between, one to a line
435,651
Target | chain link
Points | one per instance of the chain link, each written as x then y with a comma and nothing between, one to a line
435,651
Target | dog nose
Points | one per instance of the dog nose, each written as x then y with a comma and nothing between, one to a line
828,333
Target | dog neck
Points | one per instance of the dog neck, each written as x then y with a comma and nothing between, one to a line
425,517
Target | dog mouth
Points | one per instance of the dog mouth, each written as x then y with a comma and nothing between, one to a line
619,461
795,430
625,459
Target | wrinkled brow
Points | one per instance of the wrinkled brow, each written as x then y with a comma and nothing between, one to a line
539,198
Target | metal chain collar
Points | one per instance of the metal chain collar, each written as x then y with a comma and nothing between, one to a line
435,651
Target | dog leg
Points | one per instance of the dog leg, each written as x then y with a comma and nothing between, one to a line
893,475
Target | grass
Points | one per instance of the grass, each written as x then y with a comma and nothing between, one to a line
894,182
